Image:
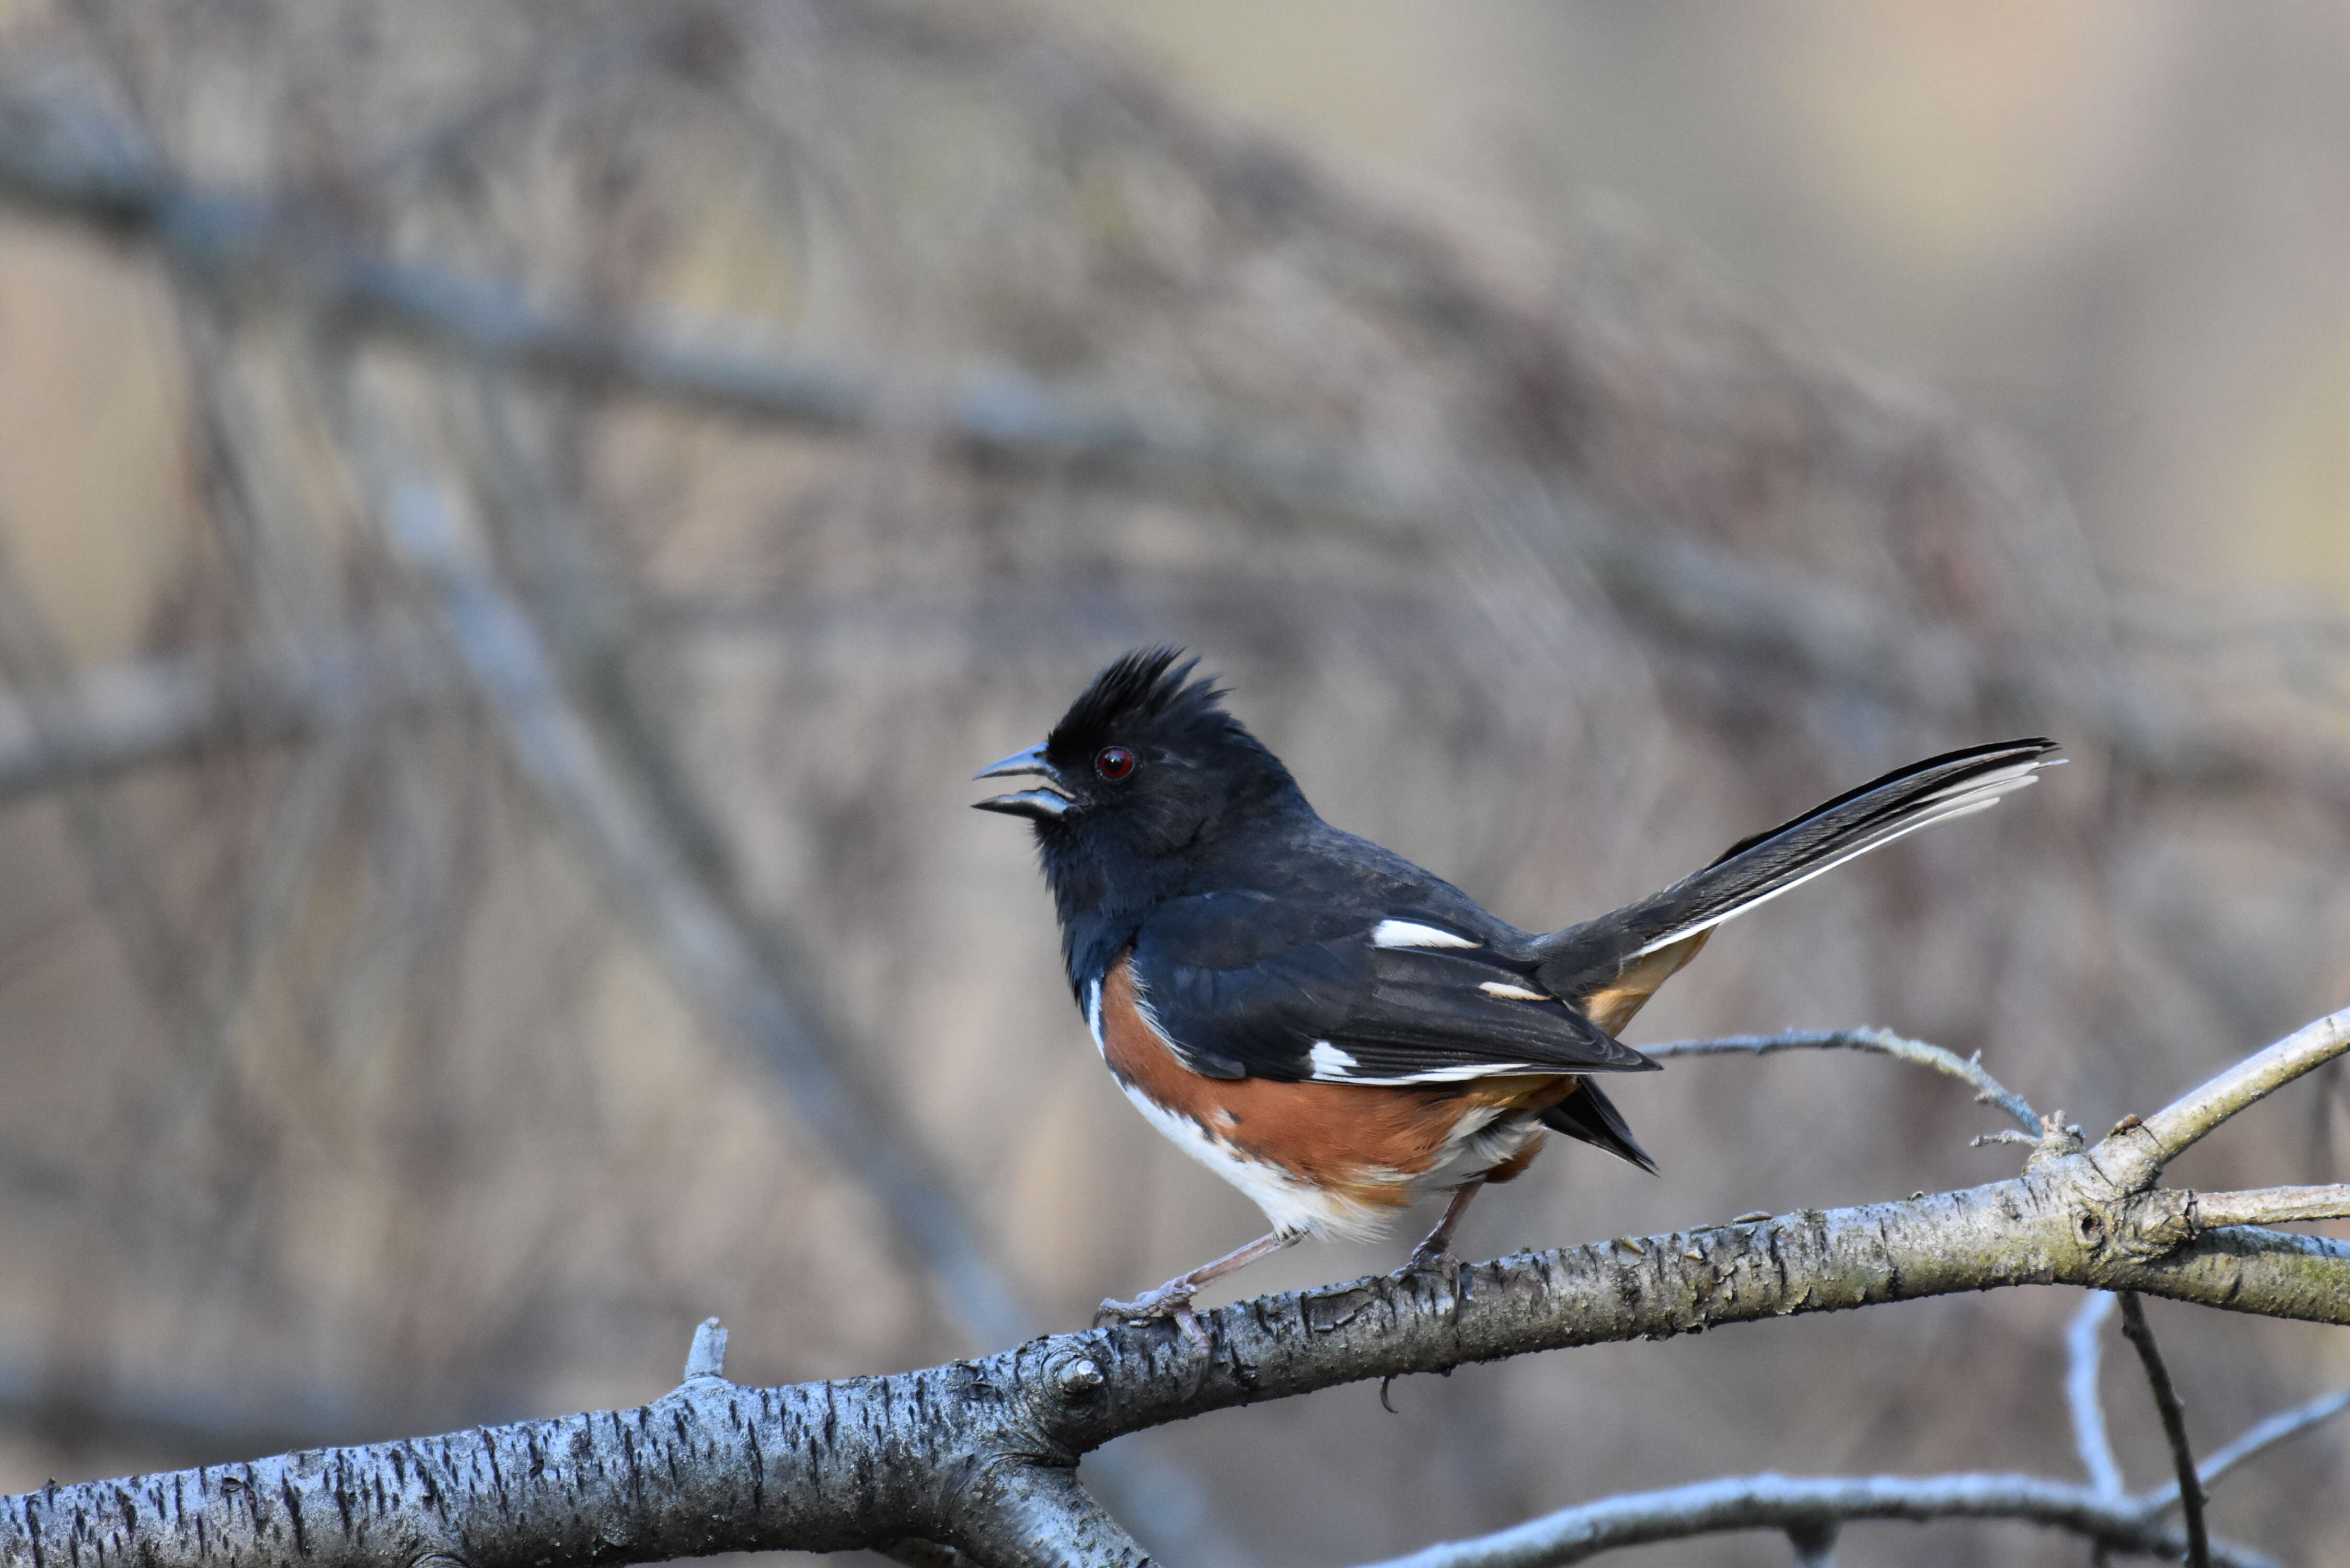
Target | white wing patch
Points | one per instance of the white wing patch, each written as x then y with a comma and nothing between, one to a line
1328,1062
1332,1066
1093,1017
1412,934
1461,1073
1514,992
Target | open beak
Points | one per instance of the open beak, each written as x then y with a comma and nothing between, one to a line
1044,803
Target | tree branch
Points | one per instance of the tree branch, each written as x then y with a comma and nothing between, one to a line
1019,1515
2140,1334
1798,1503
978,1453
2256,1440
2168,1132
2273,1206
1969,1070
1811,1510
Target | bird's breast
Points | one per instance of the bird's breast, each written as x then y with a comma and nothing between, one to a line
1342,1158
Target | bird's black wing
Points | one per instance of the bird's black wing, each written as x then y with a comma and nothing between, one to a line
1401,999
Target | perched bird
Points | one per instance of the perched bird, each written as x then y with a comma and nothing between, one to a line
1324,1024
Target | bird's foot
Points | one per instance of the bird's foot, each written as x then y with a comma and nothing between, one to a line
1171,1300
1434,1257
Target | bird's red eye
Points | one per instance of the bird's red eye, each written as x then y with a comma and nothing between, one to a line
1113,763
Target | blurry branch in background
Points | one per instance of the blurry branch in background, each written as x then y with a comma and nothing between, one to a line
2083,1351
1810,1509
2104,1511
250,250
2084,1356
122,866
551,675
1726,607
212,1424
701,943
95,724
247,250
715,957
199,1424
238,251
980,1455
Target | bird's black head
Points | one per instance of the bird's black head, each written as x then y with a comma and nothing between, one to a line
1144,774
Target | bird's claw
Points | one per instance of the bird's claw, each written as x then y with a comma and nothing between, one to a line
1440,1261
1171,1300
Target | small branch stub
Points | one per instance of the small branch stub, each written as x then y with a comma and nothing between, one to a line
2057,1140
1078,1379
1814,1542
707,1357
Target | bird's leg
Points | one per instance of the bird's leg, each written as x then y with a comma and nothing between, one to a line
1173,1299
1435,1249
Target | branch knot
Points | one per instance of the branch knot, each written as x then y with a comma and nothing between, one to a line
2155,1223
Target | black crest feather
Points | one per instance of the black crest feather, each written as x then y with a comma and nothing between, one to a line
1146,687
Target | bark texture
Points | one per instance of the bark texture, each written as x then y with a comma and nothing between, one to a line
981,1454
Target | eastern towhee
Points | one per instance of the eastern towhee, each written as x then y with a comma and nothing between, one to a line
1324,1024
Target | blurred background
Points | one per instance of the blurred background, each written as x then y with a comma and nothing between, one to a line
520,520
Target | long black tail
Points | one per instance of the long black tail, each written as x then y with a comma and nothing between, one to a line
1580,959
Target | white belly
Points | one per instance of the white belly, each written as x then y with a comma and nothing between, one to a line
1482,1140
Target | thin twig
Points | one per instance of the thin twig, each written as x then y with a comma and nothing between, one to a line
1793,1503
1969,1070
2257,1439
2174,1427
2083,1349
